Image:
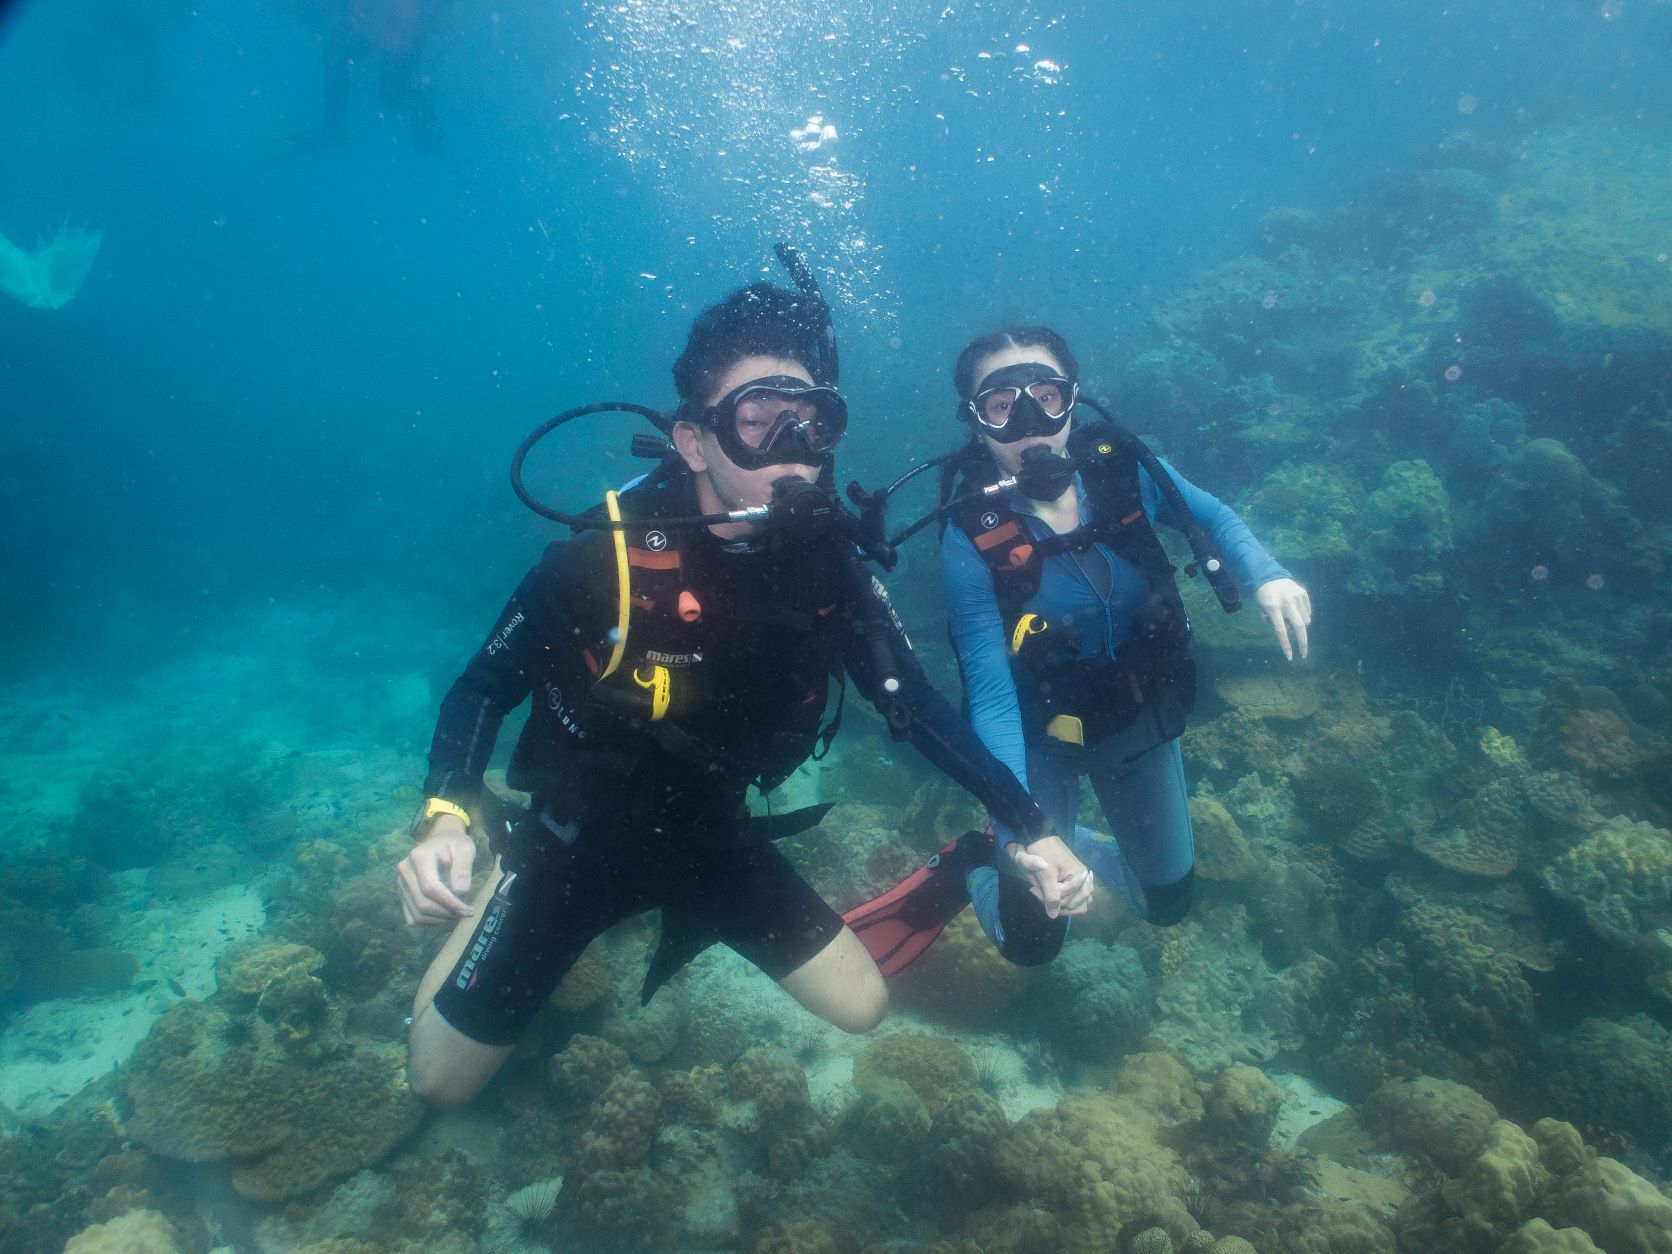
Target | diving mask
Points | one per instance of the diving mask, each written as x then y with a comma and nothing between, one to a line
779,420
1026,399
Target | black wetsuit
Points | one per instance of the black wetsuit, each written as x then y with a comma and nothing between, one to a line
624,817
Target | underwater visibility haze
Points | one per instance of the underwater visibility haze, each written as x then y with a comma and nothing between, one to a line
284,283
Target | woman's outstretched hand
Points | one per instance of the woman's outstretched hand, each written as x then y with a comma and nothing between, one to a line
1286,606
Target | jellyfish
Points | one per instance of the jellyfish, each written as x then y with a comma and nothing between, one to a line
49,276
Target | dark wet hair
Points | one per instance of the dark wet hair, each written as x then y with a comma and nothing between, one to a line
759,320
963,374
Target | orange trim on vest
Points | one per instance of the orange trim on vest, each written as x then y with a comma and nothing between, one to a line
1131,518
591,662
667,559
824,610
997,536
642,603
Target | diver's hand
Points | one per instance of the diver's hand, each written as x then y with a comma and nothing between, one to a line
1286,606
1055,876
435,875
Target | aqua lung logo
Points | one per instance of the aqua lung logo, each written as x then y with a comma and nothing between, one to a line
989,520
655,541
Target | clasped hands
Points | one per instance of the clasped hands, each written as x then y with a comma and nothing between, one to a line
1061,882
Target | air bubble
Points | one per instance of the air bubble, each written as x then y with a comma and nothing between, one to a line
1453,373
1426,300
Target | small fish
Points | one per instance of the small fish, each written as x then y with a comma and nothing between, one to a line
174,987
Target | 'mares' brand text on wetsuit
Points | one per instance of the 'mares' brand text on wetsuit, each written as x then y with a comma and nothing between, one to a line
492,924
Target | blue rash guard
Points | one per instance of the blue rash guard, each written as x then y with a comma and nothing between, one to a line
1097,592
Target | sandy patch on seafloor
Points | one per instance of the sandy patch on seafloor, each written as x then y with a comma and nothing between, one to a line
50,1051
1303,1105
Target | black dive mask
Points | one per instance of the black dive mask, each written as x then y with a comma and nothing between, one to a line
1015,402
777,421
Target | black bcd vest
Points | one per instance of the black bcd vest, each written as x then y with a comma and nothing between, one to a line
1153,669
717,685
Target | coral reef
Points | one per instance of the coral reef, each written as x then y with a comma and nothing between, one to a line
1222,851
1094,1000
208,1086
963,981
937,1070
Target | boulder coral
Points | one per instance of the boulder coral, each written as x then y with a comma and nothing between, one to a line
622,1124
781,1119
583,1070
137,1232
939,1071
1405,540
1619,878
963,981
1094,1000
1222,851
1098,1161
1620,1210
206,1086
1614,1074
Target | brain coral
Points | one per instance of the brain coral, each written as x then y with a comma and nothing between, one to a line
1618,876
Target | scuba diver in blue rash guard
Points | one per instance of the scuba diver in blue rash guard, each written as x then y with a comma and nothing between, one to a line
679,650
1071,637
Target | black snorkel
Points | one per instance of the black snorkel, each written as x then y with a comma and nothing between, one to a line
796,504
1044,476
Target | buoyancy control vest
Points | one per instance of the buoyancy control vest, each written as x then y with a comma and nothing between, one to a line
715,672
1062,695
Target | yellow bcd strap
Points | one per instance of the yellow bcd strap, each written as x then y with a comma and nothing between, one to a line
1066,728
1027,625
660,685
623,586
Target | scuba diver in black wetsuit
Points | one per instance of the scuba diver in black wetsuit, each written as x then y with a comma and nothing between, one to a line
678,650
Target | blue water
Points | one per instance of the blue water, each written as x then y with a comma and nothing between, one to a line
254,514
263,348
